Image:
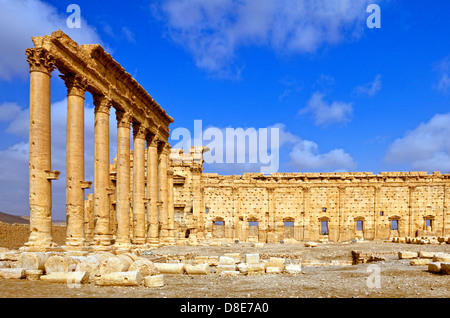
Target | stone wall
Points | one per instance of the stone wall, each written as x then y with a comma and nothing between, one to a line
14,236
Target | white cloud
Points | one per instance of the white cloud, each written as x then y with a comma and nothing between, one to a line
325,113
443,70
213,30
22,19
426,148
370,89
8,111
14,167
305,155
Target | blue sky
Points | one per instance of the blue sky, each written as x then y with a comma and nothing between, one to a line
345,97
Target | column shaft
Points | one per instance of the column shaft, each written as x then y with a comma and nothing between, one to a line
170,204
139,184
75,183
123,180
162,176
40,188
102,235
152,184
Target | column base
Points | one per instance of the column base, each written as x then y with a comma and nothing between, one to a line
73,248
101,242
41,248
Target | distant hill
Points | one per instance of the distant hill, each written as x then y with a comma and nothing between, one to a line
11,219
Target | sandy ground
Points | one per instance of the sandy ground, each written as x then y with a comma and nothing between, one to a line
397,278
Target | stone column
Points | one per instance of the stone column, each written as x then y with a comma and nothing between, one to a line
139,134
411,223
170,204
343,231
152,184
162,176
40,188
75,183
102,235
123,180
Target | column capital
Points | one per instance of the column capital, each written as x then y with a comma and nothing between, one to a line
75,83
153,140
165,149
123,119
40,60
139,130
102,103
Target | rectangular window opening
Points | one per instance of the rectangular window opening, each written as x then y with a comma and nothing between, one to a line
359,225
394,225
288,224
324,227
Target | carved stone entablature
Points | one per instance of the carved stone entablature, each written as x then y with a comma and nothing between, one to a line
40,60
75,83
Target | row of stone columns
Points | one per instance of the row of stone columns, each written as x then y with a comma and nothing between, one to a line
151,204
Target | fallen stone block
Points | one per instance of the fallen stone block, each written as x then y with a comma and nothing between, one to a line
199,269
229,273
225,260
275,262
310,244
120,279
33,274
12,273
213,260
235,256
112,265
274,270
5,264
420,262
256,269
32,260
126,259
57,263
293,269
441,257
167,268
243,268
252,258
434,267
88,264
221,268
154,281
9,256
66,277
407,255
145,266
425,254
445,268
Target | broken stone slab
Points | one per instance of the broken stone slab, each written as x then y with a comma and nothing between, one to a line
273,270
198,269
276,262
213,260
167,268
58,263
445,268
252,258
441,257
310,244
425,254
226,260
420,262
235,256
5,264
434,267
66,277
120,279
407,255
9,256
12,273
32,260
221,268
293,269
256,269
88,264
154,281
126,259
229,273
33,274
145,266
243,268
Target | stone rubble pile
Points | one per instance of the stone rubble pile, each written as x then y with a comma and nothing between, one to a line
130,269
436,240
437,262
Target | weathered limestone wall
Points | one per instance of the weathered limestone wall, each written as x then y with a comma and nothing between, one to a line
307,206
